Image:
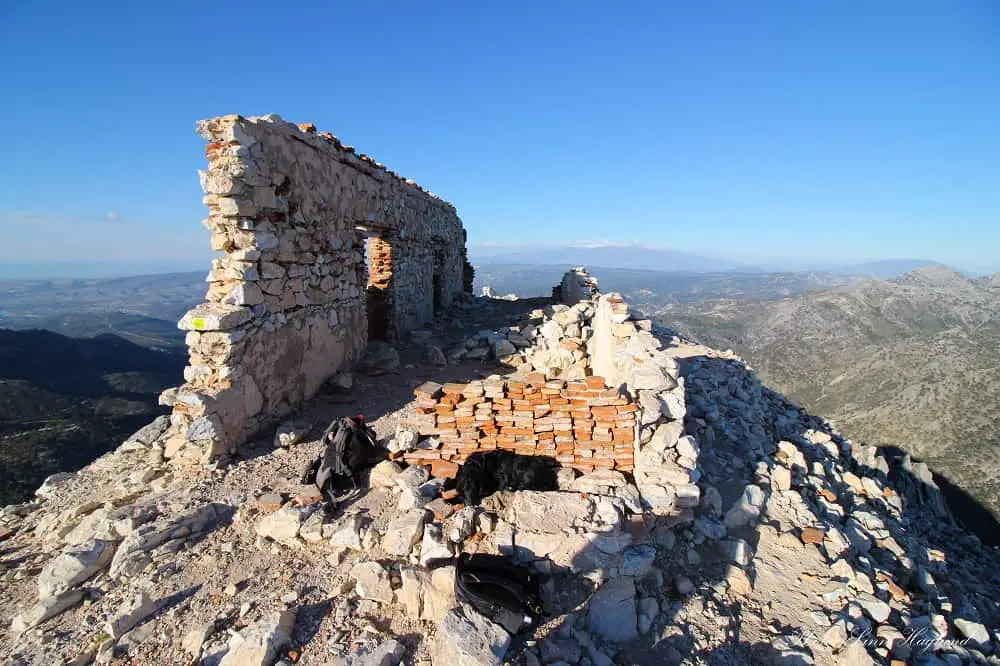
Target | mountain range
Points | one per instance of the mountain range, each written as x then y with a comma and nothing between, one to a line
64,401
640,257
910,362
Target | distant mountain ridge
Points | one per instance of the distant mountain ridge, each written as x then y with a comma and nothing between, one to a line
640,257
910,361
64,401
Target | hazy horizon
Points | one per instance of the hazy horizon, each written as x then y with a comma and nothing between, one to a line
846,130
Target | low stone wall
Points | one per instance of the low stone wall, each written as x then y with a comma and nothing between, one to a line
582,424
290,300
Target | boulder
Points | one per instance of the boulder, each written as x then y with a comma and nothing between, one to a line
433,546
74,565
347,532
611,614
44,609
535,511
466,638
260,643
138,609
404,532
372,582
282,525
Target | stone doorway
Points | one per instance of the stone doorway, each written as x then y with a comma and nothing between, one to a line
378,255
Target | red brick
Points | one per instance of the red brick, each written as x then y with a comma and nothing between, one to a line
444,469
595,382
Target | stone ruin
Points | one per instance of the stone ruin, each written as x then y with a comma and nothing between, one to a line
592,386
324,249
292,299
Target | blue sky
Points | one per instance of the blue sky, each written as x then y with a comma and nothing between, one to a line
846,130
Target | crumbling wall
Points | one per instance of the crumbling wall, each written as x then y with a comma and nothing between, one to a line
594,387
577,285
287,305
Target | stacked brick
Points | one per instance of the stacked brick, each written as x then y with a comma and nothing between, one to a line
582,424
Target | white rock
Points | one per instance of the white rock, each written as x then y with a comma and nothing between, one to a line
781,478
74,565
260,643
138,609
44,609
384,474
433,545
195,638
460,525
466,638
372,582
281,525
52,483
598,482
972,630
347,532
404,532
611,613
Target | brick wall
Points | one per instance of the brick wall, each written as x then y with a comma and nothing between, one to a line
582,424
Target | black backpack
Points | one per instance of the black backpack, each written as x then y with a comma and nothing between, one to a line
349,448
502,591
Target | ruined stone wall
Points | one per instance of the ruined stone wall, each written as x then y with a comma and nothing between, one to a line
594,387
577,285
290,210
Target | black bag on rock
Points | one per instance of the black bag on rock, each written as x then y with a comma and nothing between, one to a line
349,448
504,592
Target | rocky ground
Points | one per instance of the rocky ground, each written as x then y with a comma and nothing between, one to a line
803,548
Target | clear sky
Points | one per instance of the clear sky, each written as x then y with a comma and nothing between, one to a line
853,130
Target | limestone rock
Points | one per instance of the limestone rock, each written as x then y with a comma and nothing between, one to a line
44,609
372,582
347,532
404,532
52,482
74,565
738,581
460,525
433,545
535,511
466,638
611,613
384,474
260,643
282,525
138,609
195,638
428,594
974,631
599,482
132,554
638,560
